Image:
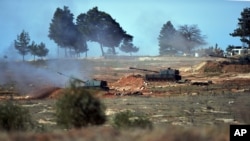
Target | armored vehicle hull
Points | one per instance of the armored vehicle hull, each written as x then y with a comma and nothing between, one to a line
162,75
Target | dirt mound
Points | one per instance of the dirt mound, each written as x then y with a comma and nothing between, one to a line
130,82
42,92
236,68
199,66
56,94
224,67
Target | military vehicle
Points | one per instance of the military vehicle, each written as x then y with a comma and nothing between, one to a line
162,75
97,84
92,83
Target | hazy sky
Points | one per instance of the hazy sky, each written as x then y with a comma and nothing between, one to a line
141,18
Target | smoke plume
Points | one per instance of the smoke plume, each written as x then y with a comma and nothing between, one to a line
24,77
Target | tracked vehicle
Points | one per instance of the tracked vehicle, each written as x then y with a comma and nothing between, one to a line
162,75
92,83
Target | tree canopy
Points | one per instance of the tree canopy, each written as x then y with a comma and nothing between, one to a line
98,26
22,43
33,49
166,37
243,30
42,50
127,45
38,50
184,39
192,37
65,33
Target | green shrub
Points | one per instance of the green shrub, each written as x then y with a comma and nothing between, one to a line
128,119
78,108
13,117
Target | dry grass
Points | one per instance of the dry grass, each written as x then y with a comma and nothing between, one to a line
183,112
171,133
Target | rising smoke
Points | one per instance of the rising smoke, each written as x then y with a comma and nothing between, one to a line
24,77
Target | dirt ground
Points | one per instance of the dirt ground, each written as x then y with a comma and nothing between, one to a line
223,102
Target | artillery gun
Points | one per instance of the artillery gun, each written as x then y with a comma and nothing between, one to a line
162,75
97,84
92,83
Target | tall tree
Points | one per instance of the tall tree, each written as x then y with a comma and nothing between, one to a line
243,30
64,32
166,38
22,43
192,37
80,45
82,27
100,27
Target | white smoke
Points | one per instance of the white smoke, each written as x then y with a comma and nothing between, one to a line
28,76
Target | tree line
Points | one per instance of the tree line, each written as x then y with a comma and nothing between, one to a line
95,26
188,37
98,26
184,39
23,46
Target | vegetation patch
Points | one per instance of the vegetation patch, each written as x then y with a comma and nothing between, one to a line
78,108
13,117
128,119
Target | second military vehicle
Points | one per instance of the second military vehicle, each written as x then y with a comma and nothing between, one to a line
162,75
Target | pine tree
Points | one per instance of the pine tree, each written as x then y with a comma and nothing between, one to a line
165,38
33,49
65,33
22,43
243,30
42,50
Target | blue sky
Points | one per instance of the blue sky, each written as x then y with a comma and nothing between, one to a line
141,18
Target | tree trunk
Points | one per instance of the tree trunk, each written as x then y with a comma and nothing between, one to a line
57,51
23,58
65,52
113,50
86,54
102,49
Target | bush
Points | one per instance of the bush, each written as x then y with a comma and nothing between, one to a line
127,119
13,117
78,108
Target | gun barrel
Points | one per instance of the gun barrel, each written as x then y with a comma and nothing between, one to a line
144,70
77,79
